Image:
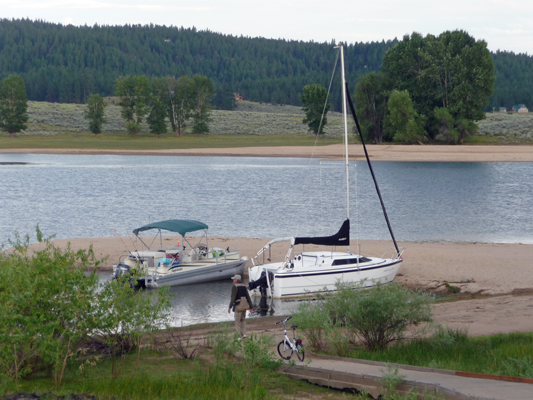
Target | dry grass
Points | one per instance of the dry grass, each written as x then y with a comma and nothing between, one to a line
47,119
507,128
249,119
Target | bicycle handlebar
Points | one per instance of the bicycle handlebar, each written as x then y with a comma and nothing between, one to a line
285,320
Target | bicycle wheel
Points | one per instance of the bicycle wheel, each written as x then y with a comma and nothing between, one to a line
284,350
301,351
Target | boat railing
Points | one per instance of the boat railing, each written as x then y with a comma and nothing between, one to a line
392,254
263,252
221,257
229,254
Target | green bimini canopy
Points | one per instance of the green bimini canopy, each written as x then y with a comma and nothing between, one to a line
181,226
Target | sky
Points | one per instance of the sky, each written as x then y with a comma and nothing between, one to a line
505,25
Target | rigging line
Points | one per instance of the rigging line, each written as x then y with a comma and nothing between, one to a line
327,96
307,179
352,109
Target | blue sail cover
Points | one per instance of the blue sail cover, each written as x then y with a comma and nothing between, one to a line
181,226
341,238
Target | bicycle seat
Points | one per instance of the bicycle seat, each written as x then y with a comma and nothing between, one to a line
294,326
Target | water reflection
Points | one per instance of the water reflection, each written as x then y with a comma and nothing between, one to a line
208,302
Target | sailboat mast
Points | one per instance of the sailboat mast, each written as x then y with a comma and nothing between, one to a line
345,116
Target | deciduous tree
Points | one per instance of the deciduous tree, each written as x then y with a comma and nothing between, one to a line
371,96
13,105
452,71
95,113
402,119
314,98
159,107
134,93
180,102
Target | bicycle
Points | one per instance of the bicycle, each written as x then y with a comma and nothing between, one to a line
286,347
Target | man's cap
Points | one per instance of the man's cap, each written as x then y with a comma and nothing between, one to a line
238,277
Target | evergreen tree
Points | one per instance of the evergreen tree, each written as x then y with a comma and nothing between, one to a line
225,98
94,113
13,105
66,63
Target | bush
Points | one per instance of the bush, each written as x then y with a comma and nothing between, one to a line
380,315
310,318
256,353
377,316
52,307
46,298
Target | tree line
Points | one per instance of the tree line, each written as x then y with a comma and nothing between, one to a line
429,88
66,63
157,100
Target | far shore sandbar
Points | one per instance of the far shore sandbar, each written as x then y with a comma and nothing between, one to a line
382,152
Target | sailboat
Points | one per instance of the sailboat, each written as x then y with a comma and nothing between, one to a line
308,272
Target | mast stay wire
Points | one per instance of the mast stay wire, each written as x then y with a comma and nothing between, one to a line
352,109
307,177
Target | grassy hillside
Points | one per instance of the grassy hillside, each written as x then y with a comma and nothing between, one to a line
248,119
258,124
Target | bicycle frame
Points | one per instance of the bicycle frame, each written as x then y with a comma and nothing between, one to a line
294,345
291,343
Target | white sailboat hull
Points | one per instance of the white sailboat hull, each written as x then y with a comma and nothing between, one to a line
306,280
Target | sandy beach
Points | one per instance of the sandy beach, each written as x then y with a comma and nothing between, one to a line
383,152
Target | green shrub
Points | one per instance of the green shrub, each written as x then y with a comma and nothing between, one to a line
376,316
310,318
522,367
224,344
52,307
380,315
257,354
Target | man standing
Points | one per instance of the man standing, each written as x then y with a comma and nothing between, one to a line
240,302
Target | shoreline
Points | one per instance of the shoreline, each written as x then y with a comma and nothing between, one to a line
500,271
487,268
383,152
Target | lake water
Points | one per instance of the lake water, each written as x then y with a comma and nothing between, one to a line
107,195
91,196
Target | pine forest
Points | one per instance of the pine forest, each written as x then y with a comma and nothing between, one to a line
66,64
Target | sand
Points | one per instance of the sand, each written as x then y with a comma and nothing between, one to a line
441,153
